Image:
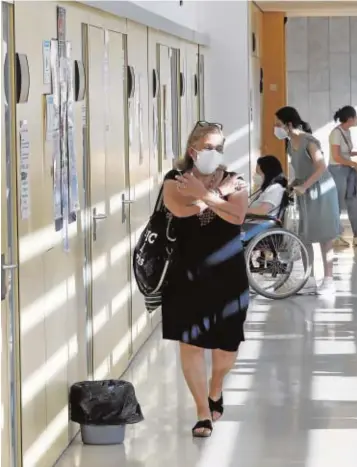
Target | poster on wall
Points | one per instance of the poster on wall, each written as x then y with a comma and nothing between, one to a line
46,57
56,137
63,81
24,170
72,159
52,120
61,31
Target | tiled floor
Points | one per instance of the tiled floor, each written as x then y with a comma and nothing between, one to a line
291,399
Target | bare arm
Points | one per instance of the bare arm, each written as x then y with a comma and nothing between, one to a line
337,156
178,204
262,210
318,163
233,210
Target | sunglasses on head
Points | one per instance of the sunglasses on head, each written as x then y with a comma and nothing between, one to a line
203,124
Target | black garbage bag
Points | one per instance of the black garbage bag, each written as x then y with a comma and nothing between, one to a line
110,402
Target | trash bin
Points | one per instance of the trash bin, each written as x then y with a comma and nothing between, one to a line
103,409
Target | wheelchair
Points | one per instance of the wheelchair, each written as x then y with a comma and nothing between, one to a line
278,262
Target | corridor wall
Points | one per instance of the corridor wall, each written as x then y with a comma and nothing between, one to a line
225,52
321,56
227,76
81,315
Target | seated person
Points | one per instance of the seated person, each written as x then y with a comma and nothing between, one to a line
267,200
272,182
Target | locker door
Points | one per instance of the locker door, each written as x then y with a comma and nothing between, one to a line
192,84
5,368
189,102
183,98
5,306
10,413
166,155
110,241
141,179
201,83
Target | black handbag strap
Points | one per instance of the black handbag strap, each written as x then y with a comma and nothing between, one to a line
160,200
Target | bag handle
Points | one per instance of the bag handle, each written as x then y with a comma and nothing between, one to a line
160,200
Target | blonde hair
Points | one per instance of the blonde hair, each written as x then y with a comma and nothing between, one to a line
199,132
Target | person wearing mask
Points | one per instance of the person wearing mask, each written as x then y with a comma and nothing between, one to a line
272,183
316,193
343,168
205,299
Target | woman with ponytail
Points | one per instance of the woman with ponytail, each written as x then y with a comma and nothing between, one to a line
315,189
343,168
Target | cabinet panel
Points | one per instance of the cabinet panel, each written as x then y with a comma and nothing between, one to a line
189,101
29,34
141,179
53,309
160,51
110,240
7,223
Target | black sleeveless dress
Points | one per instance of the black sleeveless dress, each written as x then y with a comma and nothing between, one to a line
206,297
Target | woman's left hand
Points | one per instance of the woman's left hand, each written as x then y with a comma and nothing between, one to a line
231,184
189,185
299,189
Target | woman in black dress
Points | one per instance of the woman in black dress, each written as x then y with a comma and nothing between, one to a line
206,297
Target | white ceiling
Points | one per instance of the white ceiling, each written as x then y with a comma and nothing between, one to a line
310,8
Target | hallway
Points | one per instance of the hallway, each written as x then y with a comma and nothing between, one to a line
291,399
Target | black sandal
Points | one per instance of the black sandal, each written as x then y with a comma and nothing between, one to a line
216,406
206,425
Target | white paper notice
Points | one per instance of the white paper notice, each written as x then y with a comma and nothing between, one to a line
46,52
84,114
52,119
24,170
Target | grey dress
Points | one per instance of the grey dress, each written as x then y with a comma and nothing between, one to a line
318,207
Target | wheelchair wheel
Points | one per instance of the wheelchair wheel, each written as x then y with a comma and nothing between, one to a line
278,263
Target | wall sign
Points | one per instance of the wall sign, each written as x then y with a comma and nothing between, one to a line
46,57
24,170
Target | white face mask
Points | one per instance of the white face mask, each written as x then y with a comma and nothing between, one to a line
208,161
280,132
257,180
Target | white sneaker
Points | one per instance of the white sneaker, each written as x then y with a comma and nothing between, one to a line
310,288
340,242
327,287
